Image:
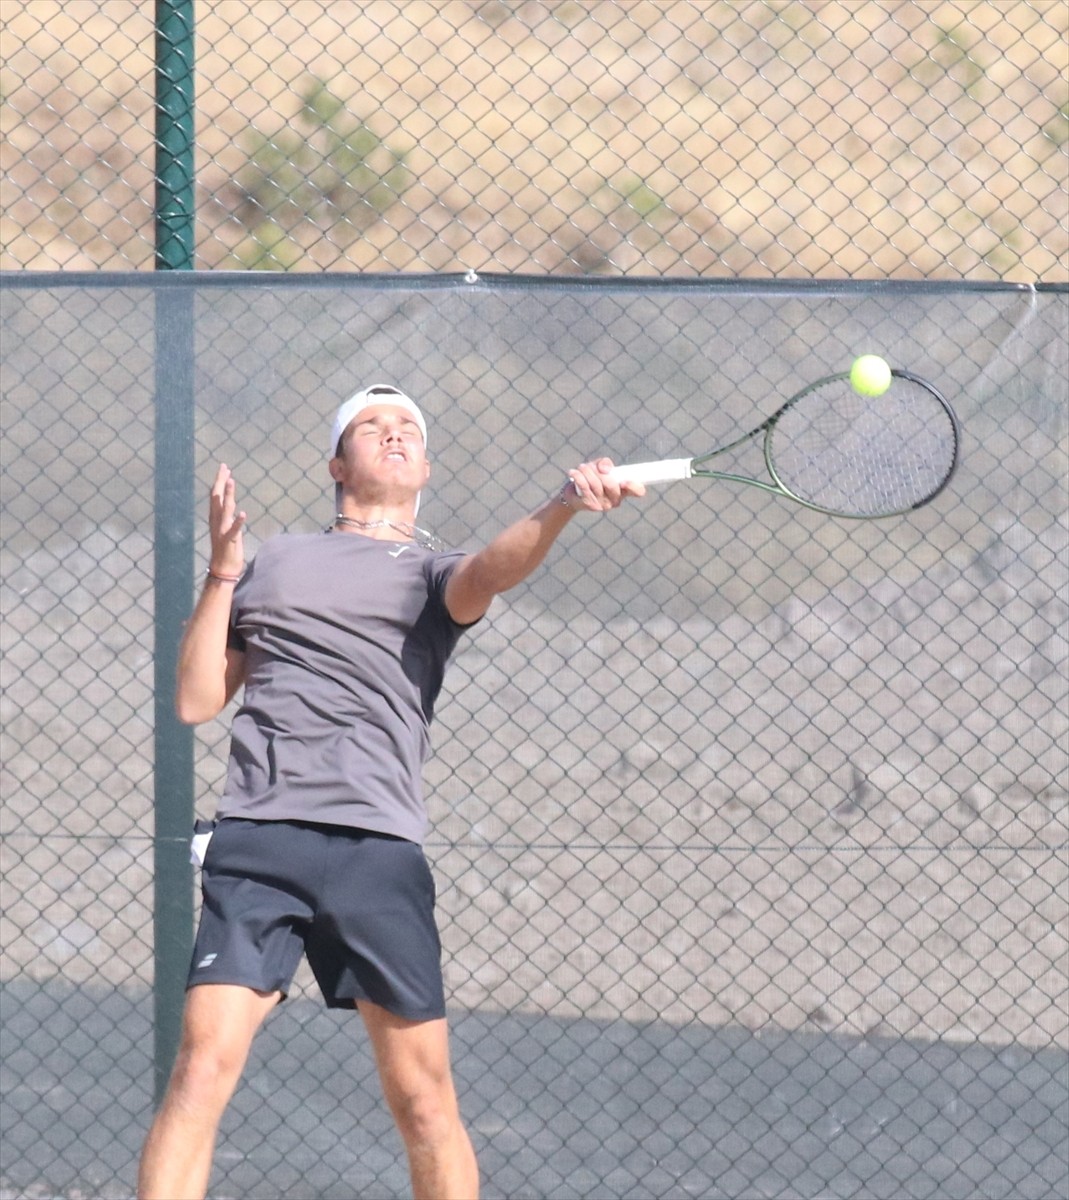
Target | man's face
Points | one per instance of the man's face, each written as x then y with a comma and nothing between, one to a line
382,455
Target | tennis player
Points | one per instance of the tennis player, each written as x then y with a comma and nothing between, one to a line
340,640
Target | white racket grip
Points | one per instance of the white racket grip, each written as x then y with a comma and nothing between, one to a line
667,470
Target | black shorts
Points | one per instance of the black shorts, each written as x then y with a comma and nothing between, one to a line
360,905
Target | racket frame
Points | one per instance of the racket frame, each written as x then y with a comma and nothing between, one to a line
672,469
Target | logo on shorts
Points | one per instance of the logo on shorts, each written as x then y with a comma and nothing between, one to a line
206,961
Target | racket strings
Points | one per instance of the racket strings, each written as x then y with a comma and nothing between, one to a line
864,456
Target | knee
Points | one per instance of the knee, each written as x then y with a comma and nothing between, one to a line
425,1115
205,1073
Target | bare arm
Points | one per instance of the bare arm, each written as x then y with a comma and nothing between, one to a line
208,673
521,548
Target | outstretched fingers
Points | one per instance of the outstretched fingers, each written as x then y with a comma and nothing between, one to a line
226,523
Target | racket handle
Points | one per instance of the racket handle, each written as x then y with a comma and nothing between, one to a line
667,470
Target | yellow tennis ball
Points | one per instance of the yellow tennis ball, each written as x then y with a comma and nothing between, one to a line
870,375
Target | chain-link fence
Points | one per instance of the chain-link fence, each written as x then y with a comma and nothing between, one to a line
750,826
735,138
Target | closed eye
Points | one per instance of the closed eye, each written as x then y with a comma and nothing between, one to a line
374,426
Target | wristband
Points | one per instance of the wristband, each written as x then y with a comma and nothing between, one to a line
210,574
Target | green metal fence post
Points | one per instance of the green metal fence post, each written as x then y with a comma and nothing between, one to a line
174,519
175,102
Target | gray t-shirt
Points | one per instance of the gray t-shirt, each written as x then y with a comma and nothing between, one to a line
346,641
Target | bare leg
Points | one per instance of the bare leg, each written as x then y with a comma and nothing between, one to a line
219,1024
413,1062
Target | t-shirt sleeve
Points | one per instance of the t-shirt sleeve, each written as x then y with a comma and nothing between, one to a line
440,567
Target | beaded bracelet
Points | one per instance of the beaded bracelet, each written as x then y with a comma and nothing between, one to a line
563,490
210,574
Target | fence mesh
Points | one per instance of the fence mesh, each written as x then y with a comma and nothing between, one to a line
750,827
749,824
741,138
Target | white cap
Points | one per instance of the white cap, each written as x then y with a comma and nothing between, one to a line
378,393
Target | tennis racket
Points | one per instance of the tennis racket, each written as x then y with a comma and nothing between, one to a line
841,453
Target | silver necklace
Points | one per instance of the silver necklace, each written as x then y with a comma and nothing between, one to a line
413,532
